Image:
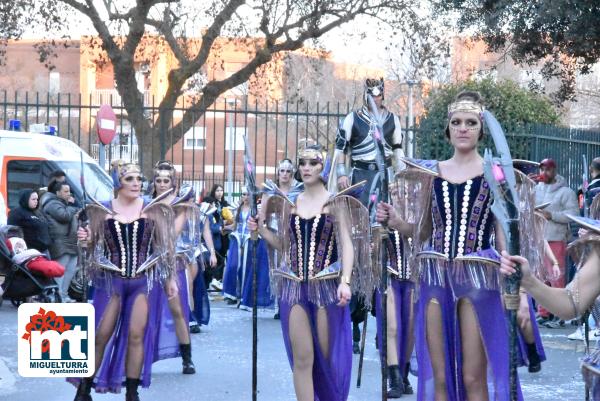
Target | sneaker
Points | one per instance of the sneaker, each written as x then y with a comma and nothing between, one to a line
541,320
554,323
577,335
230,301
216,285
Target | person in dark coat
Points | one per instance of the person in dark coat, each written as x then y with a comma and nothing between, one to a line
31,220
62,223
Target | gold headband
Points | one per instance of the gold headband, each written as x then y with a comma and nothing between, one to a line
163,173
311,154
466,106
129,168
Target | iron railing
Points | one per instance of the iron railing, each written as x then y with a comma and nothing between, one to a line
211,151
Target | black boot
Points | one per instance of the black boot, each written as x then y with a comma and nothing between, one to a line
407,387
186,357
84,389
395,385
355,338
131,387
535,365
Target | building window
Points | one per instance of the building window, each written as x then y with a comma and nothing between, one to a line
54,83
194,138
238,138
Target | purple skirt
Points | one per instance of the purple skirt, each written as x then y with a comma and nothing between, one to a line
403,298
111,374
167,344
491,317
331,376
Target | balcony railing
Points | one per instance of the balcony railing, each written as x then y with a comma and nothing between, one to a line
113,152
112,97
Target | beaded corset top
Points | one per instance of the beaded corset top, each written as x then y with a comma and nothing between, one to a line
397,261
313,245
462,220
128,245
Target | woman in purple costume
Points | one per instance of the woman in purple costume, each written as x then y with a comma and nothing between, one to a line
577,297
178,311
131,259
460,322
400,312
314,242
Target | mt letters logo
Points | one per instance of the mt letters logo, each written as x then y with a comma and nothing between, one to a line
56,340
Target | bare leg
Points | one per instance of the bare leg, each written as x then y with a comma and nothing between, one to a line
323,331
526,330
107,327
474,358
181,328
303,353
135,342
193,272
392,329
435,345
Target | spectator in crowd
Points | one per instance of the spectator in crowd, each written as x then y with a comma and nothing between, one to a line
33,223
216,275
57,175
593,187
553,189
62,218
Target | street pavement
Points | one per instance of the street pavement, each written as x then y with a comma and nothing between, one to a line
222,354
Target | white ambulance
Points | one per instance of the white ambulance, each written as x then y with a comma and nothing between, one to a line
27,160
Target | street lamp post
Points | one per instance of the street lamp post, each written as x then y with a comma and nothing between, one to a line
231,153
410,126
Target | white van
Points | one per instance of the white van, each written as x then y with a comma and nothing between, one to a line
28,159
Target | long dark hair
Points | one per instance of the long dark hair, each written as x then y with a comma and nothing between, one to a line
214,190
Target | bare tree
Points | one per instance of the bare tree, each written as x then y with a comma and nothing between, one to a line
192,32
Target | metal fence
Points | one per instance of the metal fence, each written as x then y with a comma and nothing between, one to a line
212,150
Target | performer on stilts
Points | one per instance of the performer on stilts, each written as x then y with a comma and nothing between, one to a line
355,138
460,322
186,220
399,311
316,273
131,258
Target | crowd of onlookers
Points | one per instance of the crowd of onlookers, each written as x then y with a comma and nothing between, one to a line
48,219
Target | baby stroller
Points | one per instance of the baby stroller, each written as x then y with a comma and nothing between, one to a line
21,279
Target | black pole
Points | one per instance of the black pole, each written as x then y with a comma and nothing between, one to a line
383,237
512,284
254,318
363,340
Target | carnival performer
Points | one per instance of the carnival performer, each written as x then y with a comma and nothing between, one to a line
531,348
284,184
579,295
314,240
187,228
237,278
131,258
399,311
460,322
203,251
356,138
